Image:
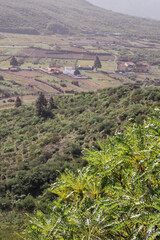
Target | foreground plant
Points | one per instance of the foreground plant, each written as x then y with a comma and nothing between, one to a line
117,196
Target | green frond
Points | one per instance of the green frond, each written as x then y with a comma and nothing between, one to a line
116,197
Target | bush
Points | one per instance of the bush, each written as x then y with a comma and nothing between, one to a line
11,100
123,116
27,204
75,150
5,204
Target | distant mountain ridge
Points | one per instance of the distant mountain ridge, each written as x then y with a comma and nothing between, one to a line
75,16
141,8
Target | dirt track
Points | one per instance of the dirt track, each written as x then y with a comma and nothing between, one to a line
95,85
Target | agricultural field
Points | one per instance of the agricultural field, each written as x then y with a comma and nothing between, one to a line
36,54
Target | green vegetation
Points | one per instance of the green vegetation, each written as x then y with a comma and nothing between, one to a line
18,102
41,105
151,55
13,62
97,63
115,197
35,149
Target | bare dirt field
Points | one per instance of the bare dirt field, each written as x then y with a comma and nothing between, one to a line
41,53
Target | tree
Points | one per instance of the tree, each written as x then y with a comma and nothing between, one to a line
52,104
13,61
18,102
77,72
1,77
97,63
41,105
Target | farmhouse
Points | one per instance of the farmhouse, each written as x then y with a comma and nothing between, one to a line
68,71
85,67
71,73
126,66
129,66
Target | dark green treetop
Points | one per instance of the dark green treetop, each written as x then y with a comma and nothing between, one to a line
97,63
13,61
18,102
41,105
52,104
77,72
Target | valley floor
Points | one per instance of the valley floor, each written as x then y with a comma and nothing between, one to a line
37,53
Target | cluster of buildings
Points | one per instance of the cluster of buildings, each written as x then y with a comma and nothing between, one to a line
142,66
70,71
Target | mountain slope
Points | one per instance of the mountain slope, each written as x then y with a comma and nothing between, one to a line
33,148
53,16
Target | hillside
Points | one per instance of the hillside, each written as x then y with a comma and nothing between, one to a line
35,149
115,197
51,16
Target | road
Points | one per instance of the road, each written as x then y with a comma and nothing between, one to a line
14,46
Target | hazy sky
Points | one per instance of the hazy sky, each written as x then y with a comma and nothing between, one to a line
142,8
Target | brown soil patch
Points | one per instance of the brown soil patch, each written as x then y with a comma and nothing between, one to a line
41,53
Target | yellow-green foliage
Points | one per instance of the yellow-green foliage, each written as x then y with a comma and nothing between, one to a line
115,197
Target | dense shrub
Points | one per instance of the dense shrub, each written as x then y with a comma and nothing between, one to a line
27,204
123,116
33,148
115,197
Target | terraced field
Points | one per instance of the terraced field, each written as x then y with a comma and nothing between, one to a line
40,52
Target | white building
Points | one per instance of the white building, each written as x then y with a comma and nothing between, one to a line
68,71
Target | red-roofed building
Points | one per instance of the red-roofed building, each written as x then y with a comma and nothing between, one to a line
85,67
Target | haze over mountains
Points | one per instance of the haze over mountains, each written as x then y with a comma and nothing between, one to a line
79,16
141,8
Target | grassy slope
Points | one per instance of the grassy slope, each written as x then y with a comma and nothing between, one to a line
40,14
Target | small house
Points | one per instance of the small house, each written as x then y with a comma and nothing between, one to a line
68,71
85,67
126,66
129,66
